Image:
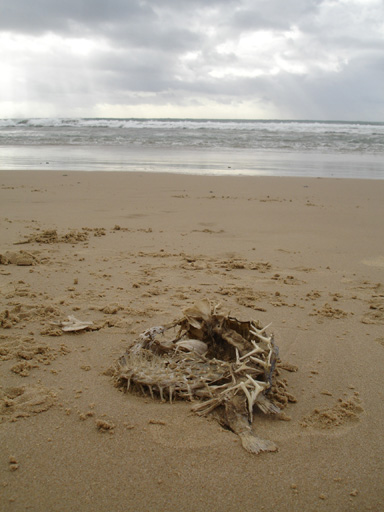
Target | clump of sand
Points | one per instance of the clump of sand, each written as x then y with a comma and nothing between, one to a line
28,353
21,258
51,236
342,413
328,311
24,312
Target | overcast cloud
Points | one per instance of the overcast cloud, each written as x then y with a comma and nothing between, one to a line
290,59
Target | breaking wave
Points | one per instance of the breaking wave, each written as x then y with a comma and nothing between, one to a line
265,135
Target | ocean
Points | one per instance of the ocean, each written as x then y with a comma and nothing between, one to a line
206,146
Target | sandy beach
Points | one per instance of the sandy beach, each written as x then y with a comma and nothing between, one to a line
128,251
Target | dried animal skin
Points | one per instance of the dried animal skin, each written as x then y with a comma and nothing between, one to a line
223,365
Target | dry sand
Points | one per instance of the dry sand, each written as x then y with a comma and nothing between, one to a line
129,251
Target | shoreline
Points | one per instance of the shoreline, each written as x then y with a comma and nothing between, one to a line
183,174
131,250
199,162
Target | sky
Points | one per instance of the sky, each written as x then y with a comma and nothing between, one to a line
232,59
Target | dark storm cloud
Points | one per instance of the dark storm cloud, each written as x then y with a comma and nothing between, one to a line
69,16
131,23
165,23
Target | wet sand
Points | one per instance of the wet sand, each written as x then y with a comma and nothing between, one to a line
128,251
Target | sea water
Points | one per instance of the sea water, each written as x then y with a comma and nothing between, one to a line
221,147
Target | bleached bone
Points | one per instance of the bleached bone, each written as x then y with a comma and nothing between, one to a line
72,324
260,336
193,345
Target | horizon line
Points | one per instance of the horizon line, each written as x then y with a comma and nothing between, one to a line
274,119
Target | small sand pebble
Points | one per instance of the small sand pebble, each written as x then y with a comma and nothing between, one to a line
156,422
355,492
323,496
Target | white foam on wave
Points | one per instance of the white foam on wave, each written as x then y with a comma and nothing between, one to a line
197,124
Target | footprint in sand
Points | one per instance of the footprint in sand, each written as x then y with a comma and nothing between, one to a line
376,313
375,262
21,402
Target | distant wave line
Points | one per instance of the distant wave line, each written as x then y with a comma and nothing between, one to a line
169,123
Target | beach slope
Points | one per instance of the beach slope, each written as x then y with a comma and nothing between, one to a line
128,251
